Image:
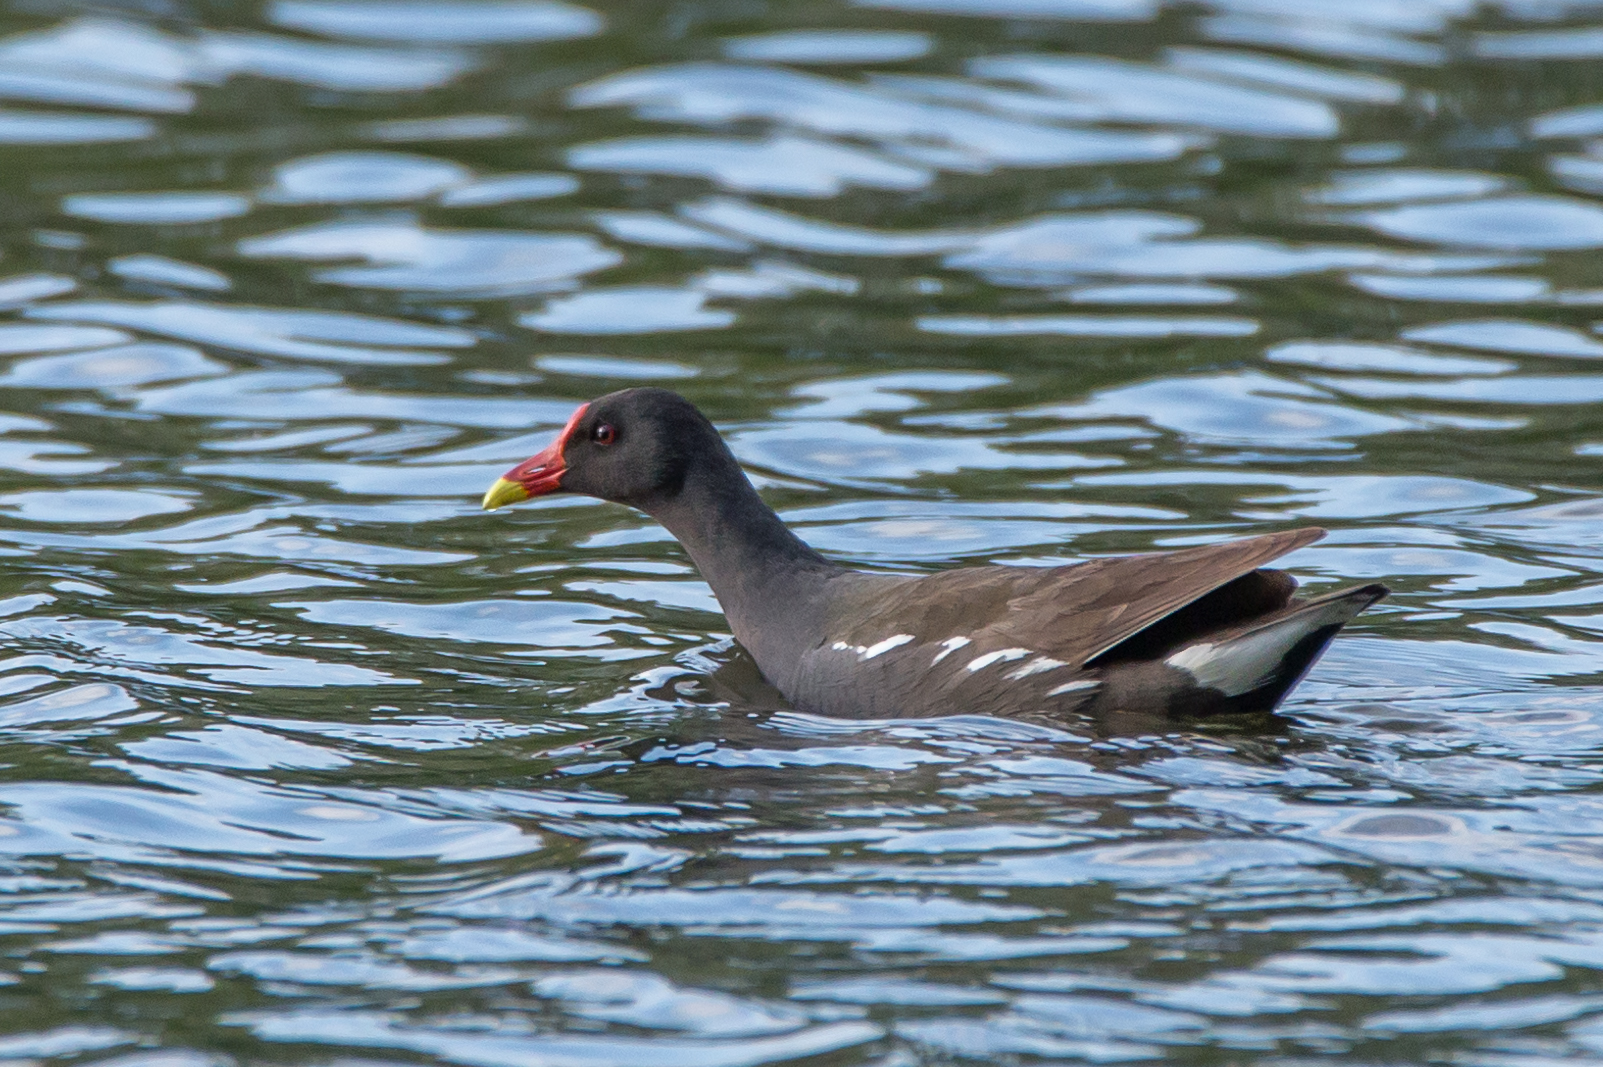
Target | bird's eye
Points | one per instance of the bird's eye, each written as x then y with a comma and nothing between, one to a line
604,434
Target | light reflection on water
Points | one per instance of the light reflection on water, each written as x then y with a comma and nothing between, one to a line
306,759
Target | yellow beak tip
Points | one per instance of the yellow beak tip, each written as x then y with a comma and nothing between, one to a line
503,493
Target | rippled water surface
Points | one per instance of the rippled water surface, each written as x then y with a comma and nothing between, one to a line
307,760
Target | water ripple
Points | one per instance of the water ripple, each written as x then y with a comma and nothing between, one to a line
305,755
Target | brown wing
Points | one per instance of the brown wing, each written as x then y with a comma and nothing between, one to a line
1092,608
1072,613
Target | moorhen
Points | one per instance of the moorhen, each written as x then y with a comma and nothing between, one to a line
1197,631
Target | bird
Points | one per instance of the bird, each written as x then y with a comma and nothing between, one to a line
1200,631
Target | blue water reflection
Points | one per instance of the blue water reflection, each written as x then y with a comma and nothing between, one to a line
308,759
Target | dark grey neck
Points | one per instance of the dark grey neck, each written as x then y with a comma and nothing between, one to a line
769,582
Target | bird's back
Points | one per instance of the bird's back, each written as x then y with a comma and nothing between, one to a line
1003,640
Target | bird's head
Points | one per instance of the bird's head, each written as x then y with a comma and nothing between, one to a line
630,447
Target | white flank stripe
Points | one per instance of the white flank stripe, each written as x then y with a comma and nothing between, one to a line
950,645
882,647
1070,687
1036,666
979,663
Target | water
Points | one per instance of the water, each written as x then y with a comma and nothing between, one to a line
307,760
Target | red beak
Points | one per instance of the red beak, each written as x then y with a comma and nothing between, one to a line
536,476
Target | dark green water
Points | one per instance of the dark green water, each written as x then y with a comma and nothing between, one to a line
304,759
